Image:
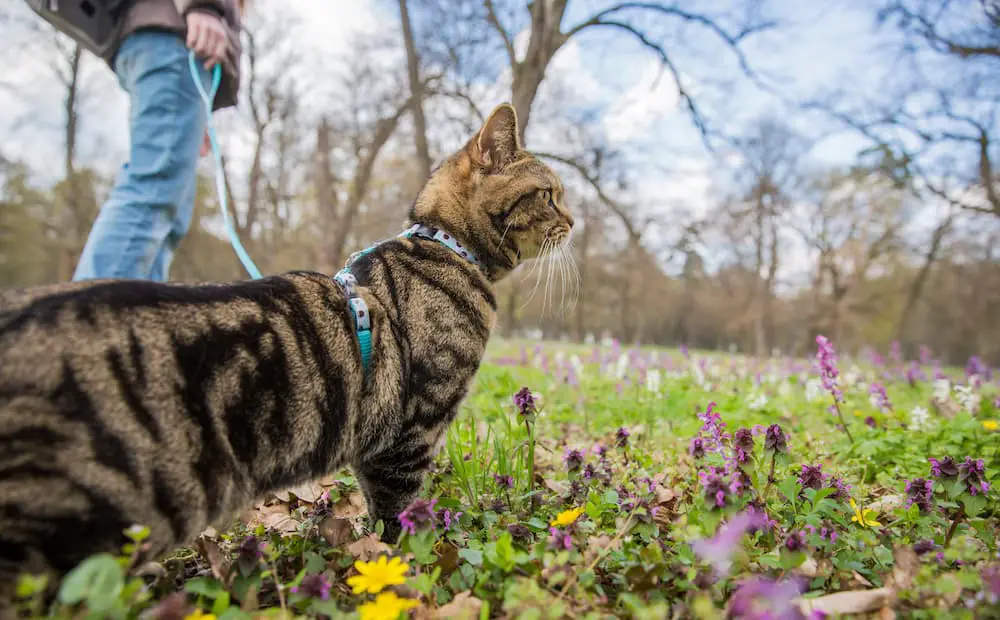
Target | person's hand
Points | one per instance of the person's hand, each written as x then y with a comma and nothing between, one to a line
206,37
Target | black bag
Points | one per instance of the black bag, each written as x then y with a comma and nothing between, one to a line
91,23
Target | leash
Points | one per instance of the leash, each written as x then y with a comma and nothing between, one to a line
207,97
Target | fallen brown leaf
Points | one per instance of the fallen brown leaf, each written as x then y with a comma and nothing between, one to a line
851,602
905,568
307,492
338,532
350,507
368,548
217,559
463,607
861,579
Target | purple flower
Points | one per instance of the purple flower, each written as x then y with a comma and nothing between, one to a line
559,539
589,472
759,521
826,361
920,491
826,532
925,354
879,398
775,439
812,477
249,554
870,421
621,437
923,547
976,368
697,448
314,586
520,532
743,445
759,598
504,482
524,400
715,486
573,459
418,516
944,468
972,473
915,374
796,541
448,517
842,490
718,550
599,450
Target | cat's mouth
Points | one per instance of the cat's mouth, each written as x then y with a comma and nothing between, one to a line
555,260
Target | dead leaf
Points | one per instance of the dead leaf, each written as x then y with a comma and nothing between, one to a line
887,613
350,507
463,607
276,517
598,545
559,487
368,548
905,567
809,568
851,602
861,579
217,559
447,557
307,492
887,504
337,532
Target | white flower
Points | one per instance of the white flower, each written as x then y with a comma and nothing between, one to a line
653,381
814,389
942,389
784,389
622,367
757,402
919,417
968,398
577,365
697,374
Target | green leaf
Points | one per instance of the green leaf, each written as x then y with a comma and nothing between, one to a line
204,586
790,488
974,504
501,553
471,556
98,580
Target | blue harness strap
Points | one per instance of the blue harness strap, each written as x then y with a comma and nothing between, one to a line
207,97
349,284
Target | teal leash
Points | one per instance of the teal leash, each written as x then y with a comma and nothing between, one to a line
207,97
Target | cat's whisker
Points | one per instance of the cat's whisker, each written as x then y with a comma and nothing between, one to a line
504,235
536,267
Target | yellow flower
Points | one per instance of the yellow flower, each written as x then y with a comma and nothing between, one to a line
375,576
864,518
386,606
567,517
857,413
991,425
198,614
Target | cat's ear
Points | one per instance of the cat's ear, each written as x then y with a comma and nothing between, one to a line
498,141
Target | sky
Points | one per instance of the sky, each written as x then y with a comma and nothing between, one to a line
817,47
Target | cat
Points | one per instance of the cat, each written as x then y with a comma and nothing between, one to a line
175,406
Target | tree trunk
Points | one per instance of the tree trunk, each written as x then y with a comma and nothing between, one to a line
416,89
78,225
545,40
917,287
325,180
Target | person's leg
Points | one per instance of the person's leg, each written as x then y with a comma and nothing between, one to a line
153,196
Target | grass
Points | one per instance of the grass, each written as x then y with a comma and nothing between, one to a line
646,525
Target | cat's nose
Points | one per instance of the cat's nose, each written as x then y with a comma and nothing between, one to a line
569,219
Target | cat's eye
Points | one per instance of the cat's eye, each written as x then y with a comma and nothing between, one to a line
547,197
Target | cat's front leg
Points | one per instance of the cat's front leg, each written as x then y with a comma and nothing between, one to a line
391,479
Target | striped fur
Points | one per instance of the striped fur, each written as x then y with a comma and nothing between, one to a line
129,402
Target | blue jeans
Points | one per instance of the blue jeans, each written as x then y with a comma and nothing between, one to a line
149,209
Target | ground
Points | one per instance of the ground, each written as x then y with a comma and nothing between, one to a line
600,482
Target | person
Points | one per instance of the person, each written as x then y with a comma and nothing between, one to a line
149,209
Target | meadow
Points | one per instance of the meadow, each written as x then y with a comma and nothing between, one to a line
602,482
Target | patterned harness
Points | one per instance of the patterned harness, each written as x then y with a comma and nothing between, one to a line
349,284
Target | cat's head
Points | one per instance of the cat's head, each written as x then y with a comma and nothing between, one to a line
498,199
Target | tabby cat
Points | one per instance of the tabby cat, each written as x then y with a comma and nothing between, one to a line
174,406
